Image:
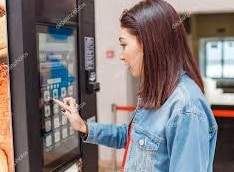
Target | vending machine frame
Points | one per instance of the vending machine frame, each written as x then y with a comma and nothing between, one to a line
23,18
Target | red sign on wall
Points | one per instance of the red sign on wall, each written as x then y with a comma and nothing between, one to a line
110,54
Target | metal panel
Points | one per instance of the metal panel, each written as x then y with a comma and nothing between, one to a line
86,29
24,84
54,11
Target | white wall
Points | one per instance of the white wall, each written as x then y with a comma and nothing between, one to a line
207,6
198,6
112,73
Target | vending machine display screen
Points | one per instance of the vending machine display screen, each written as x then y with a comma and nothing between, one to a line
57,62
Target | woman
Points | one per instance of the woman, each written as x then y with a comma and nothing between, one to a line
173,128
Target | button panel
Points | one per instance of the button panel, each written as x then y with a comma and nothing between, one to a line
56,136
56,121
48,140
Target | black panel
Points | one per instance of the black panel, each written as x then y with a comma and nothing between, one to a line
222,107
24,85
227,85
54,11
86,29
224,156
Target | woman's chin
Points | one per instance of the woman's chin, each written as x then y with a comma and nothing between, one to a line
134,73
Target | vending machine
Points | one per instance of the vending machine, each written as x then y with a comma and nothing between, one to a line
216,63
52,44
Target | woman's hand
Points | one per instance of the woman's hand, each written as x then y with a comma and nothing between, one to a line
69,108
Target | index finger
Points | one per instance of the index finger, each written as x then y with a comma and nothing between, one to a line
61,104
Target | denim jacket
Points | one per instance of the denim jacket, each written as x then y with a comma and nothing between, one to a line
180,136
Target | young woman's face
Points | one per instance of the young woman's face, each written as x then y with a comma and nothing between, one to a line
132,52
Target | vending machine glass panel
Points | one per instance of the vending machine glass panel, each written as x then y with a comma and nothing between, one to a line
214,59
57,62
228,59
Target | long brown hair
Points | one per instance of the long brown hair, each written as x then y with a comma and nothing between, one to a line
159,28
